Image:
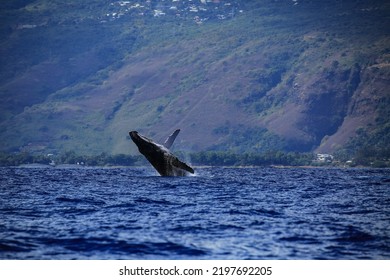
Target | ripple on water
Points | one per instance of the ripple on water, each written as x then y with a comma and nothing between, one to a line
222,213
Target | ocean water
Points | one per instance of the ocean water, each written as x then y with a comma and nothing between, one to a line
221,213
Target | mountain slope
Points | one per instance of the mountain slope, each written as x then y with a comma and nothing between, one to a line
274,76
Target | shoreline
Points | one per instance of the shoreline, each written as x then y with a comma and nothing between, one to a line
63,166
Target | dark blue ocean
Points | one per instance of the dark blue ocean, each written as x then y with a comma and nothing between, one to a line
221,213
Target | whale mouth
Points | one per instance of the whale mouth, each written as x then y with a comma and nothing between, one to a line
140,140
134,135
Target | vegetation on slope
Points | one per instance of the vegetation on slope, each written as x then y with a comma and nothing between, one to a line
277,76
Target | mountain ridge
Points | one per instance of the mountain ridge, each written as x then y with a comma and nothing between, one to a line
277,76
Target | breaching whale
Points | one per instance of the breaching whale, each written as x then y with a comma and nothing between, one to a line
159,156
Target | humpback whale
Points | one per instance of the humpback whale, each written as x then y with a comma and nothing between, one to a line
159,156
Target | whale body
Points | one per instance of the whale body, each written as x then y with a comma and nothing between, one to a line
159,156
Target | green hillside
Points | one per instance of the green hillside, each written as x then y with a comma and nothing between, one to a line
243,76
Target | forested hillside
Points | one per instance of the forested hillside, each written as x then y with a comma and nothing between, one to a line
240,76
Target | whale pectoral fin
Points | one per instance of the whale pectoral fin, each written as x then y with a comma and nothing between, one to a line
171,138
179,164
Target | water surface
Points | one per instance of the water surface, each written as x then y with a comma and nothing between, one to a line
222,213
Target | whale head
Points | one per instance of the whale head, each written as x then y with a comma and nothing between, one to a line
144,144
